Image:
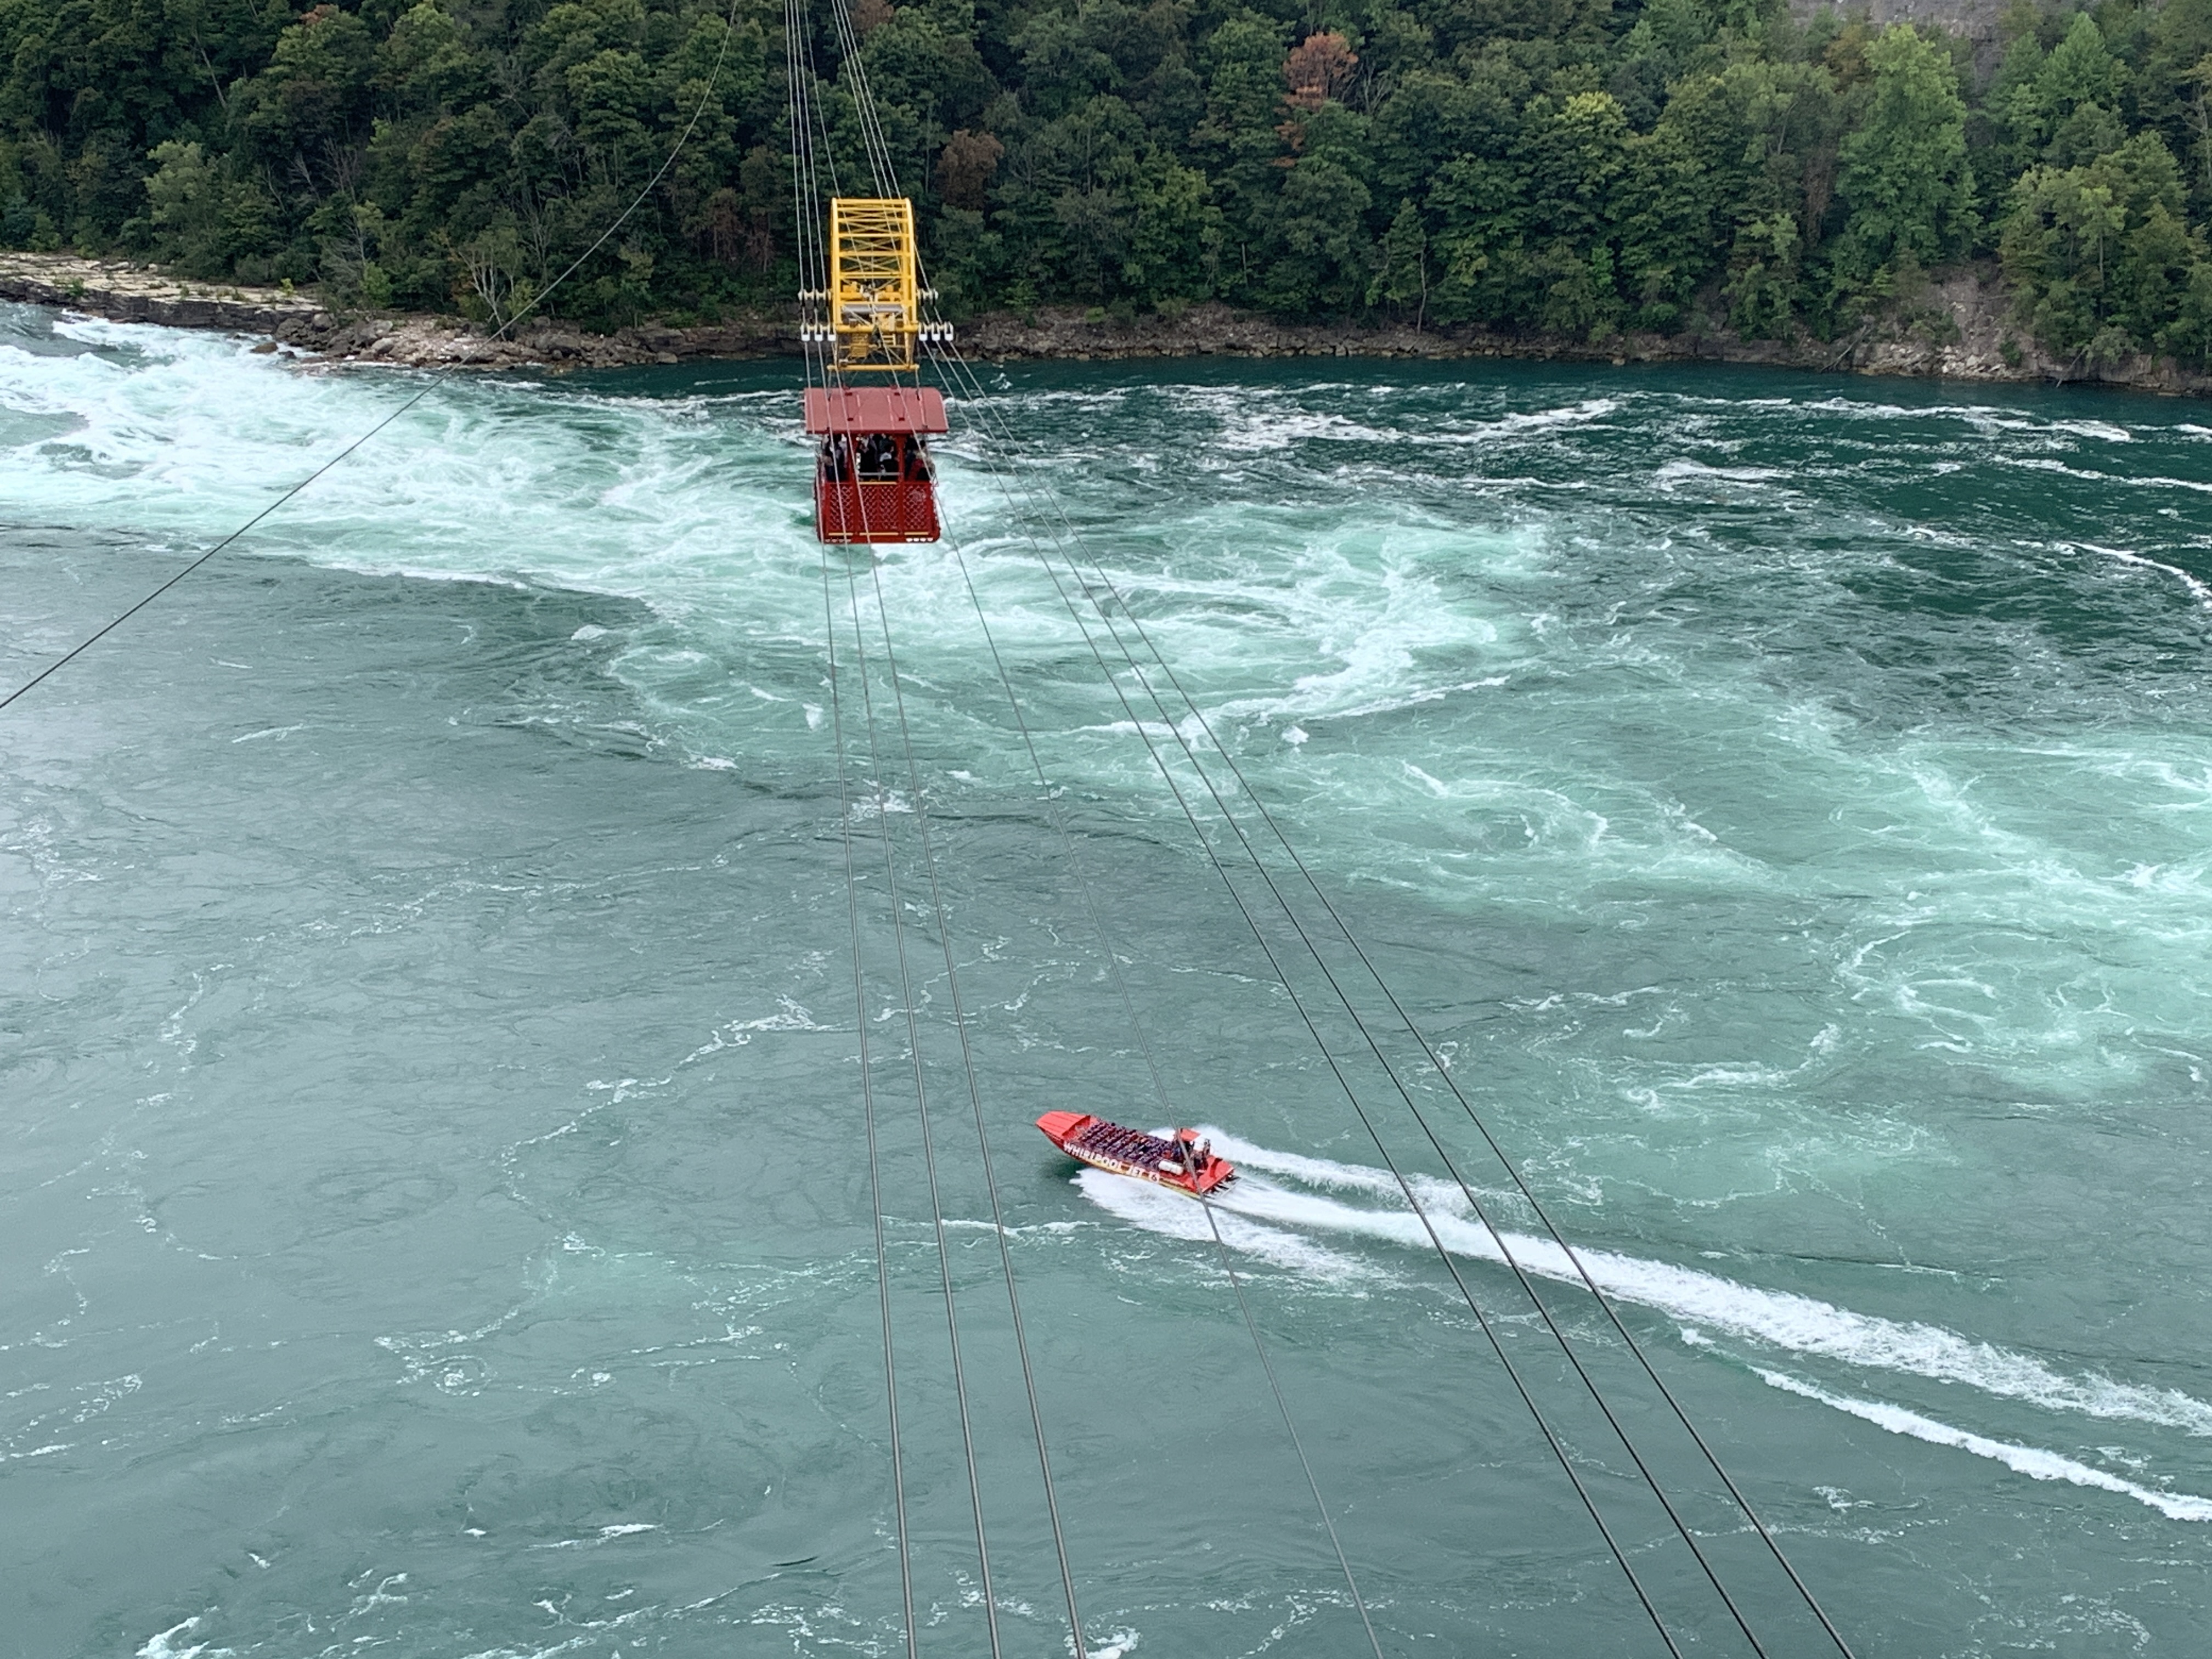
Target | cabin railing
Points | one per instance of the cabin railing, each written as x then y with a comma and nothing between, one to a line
890,510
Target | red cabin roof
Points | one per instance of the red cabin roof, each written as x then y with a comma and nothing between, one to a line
875,409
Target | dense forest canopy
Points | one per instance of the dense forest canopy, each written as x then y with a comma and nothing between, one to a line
1581,166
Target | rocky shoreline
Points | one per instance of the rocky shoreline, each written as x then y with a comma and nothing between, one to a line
1959,325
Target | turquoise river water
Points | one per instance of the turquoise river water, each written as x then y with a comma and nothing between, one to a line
433,1190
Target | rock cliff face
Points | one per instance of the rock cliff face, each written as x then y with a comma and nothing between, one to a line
1960,324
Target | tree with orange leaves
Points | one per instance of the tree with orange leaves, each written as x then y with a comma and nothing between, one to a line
1318,69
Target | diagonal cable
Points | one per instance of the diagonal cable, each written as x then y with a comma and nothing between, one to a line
1329,1055
1076,865
437,379
1104,581
827,369
868,1112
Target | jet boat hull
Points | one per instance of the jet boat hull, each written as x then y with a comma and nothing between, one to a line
1124,1152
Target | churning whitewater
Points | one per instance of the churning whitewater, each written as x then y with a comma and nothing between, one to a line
434,1101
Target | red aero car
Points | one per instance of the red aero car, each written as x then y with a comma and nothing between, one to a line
873,480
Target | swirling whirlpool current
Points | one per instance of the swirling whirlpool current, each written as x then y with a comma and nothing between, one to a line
434,1209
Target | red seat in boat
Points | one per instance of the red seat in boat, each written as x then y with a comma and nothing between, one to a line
873,480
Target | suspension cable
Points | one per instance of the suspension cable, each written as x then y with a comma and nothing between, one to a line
795,14
437,379
1077,865
1443,1071
1481,1215
864,102
1104,581
803,194
1329,1055
1452,1082
830,372
975,1101
921,1105
886,185
868,1113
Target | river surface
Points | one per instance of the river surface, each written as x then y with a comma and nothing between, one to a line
434,1188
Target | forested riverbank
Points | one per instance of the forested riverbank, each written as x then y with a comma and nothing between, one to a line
1571,175
1963,325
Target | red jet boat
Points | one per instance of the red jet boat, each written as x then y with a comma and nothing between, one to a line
1183,1162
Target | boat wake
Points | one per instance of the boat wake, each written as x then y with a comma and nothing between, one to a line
1289,1219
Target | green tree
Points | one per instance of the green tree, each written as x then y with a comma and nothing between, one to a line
1174,244
1403,277
1904,177
2101,256
207,219
1576,165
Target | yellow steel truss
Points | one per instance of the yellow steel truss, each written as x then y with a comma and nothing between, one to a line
874,290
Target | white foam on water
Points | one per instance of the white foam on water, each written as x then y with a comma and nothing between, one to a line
185,436
1277,429
1159,1210
163,1645
1276,1221
1676,473
2202,591
2044,463
1984,417
2103,429
1546,420
607,1533
2032,1462
1254,421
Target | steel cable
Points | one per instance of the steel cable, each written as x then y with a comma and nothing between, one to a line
868,1112
1329,1055
976,1100
921,1108
1581,1271
1496,1235
437,379
885,181
1344,1083
1159,1085
803,193
887,184
796,11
